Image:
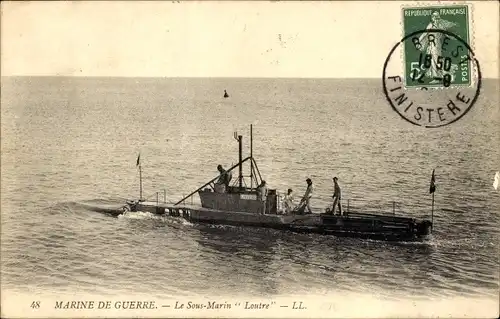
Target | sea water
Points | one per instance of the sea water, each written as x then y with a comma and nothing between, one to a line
70,143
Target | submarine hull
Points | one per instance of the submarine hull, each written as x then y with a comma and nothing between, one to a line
356,225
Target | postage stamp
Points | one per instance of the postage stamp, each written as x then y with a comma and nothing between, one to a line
429,60
438,79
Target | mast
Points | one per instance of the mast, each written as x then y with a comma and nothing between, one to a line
240,159
140,176
239,138
251,156
432,189
432,211
140,182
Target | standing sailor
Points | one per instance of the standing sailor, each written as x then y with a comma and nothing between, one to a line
336,197
224,179
262,196
306,199
288,201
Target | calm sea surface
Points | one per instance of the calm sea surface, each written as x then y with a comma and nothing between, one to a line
70,144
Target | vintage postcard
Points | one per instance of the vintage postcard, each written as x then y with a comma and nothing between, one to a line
237,159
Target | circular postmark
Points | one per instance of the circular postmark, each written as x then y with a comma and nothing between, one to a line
438,81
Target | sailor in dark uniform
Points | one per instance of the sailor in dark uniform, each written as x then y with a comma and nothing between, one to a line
224,178
337,196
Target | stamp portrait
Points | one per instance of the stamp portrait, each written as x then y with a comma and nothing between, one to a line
429,59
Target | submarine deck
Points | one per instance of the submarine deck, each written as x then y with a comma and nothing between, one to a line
352,224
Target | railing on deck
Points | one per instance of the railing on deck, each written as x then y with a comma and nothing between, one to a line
384,208
156,197
367,206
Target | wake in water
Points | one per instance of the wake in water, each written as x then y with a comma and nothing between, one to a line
116,208
140,215
152,216
107,206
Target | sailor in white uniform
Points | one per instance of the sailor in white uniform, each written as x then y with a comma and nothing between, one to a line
262,196
288,202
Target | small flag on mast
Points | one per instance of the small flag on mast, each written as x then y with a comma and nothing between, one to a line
432,189
138,159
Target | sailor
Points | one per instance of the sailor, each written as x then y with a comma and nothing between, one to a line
224,178
288,201
337,196
225,94
306,199
262,196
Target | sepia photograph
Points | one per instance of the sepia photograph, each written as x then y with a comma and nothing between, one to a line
250,159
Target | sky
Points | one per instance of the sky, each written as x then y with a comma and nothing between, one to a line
337,39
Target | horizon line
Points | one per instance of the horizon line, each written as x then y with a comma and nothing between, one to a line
202,77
